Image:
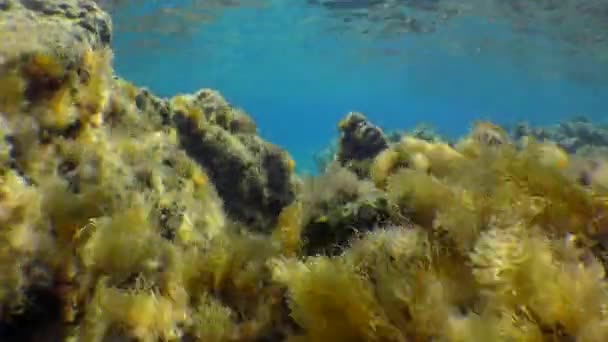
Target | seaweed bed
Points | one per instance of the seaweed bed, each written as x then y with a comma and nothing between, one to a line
127,217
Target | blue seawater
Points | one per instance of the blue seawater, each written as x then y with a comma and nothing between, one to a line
298,66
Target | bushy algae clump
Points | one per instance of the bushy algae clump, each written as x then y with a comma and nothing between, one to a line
494,241
124,216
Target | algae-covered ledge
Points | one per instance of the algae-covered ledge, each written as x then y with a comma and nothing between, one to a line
125,216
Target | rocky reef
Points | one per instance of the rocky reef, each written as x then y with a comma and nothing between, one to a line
129,217
576,136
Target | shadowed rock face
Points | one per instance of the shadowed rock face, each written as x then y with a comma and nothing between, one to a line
359,139
252,177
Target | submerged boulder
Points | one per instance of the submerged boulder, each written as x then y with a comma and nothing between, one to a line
108,194
359,143
55,63
253,177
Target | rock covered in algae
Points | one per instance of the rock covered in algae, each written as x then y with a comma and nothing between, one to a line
253,176
354,152
65,23
53,57
578,135
110,222
337,206
360,141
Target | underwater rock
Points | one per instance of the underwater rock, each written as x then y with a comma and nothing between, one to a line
98,187
359,139
359,142
337,207
157,109
324,158
54,64
576,136
254,178
209,106
60,28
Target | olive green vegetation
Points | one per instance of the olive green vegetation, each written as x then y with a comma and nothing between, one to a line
124,216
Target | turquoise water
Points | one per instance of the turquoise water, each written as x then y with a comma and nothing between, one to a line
297,68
